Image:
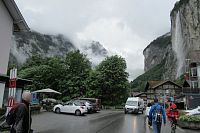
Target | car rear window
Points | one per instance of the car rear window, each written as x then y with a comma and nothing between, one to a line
79,103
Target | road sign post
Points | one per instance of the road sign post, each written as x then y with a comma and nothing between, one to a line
12,88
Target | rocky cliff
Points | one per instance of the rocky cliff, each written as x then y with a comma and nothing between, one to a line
160,52
185,38
27,44
156,51
185,30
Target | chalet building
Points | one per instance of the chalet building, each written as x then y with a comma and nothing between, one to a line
163,90
11,20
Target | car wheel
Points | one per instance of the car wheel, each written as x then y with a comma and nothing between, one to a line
77,112
57,110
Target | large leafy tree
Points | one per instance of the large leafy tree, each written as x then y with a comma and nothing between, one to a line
45,72
113,80
93,84
78,69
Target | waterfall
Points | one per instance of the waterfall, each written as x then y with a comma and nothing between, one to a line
178,46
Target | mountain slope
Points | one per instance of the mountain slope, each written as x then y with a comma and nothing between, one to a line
27,44
30,43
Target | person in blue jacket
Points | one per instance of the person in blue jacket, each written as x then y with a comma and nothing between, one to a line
156,115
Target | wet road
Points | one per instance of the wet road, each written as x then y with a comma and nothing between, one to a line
103,122
132,123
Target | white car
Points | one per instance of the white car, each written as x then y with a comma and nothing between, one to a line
74,107
195,111
89,106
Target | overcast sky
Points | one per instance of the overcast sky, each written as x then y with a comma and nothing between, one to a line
124,27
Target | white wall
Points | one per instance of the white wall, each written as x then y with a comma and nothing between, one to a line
6,30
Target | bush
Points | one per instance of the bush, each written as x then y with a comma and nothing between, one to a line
192,118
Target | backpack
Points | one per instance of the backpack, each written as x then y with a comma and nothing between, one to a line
158,115
11,116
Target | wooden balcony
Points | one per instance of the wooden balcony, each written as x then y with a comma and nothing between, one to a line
191,90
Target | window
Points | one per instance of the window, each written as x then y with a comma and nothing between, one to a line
69,103
194,72
194,84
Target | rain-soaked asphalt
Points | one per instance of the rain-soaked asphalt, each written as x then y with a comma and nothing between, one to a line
102,122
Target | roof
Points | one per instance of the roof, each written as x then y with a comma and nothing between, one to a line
153,83
18,20
165,82
156,84
186,83
20,82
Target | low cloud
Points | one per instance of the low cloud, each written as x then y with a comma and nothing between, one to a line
123,27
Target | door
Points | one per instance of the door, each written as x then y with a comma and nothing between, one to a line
68,107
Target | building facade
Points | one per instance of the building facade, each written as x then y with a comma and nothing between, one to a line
165,91
11,21
191,86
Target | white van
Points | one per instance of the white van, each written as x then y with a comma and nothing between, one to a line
134,105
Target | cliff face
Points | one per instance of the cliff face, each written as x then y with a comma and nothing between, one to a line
185,38
185,30
165,57
160,51
27,44
156,51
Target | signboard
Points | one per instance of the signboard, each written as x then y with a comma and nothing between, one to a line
12,87
35,100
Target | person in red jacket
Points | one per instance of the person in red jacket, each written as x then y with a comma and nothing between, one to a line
172,111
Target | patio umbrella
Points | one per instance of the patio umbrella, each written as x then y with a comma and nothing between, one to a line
48,90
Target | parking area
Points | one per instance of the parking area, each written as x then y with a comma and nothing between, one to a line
49,122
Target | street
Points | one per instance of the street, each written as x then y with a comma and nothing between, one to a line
102,122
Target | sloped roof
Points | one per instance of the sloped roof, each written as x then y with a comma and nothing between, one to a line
20,82
156,84
18,20
153,83
165,82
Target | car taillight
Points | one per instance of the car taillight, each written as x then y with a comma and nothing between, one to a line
82,107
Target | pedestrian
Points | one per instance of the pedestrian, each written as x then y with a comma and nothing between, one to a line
156,116
22,115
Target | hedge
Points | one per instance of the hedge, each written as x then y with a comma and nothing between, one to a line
191,118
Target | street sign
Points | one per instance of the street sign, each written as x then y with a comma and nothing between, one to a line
12,87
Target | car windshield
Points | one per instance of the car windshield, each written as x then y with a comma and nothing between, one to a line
131,103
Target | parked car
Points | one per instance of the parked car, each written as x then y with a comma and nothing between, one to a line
134,105
96,103
89,105
75,107
49,101
195,111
